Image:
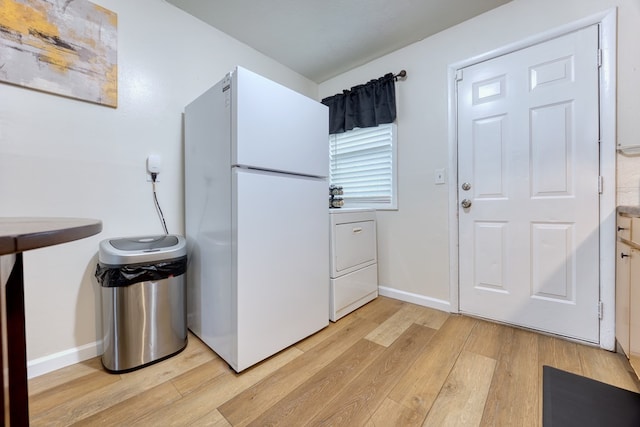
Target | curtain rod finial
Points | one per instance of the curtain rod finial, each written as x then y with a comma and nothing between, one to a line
401,75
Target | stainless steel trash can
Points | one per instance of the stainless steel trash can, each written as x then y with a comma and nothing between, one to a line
143,300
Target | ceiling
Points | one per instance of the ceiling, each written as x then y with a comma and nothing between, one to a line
321,39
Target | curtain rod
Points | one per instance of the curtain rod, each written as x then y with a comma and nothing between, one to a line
401,75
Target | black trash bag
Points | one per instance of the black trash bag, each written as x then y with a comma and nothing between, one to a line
111,276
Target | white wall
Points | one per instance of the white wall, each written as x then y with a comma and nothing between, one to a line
413,242
62,157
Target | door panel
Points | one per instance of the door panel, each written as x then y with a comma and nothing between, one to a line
552,264
553,72
528,147
490,239
551,150
489,173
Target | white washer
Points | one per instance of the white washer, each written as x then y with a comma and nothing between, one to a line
354,260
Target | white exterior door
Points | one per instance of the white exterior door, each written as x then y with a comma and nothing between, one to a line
528,166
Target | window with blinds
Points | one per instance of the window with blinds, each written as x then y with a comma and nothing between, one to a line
363,162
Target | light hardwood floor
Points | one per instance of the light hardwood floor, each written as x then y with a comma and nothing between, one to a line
389,363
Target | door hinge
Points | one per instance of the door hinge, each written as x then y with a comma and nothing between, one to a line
600,184
599,58
600,309
458,75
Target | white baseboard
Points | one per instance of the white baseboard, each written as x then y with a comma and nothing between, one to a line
46,364
422,300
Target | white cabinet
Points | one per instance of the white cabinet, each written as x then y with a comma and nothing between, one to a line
354,260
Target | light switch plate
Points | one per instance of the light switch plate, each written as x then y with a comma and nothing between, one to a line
439,176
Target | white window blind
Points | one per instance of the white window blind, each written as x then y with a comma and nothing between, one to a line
363,163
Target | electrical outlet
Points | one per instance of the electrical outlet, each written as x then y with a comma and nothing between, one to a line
439,176
154,162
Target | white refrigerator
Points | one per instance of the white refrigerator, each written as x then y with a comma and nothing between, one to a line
256,217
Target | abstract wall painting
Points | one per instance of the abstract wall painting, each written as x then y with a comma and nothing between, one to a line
66,47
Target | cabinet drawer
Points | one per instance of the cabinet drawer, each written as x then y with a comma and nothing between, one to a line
354,245
353,290
635,230
624,227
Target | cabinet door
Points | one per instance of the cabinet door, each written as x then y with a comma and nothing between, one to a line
624,227
623,253
634,310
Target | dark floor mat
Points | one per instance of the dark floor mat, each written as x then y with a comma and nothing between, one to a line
572,400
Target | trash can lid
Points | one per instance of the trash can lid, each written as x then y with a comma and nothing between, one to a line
133,250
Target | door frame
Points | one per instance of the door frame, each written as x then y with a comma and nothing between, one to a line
607,107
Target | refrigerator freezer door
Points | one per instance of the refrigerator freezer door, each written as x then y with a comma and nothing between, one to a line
282,264
276,128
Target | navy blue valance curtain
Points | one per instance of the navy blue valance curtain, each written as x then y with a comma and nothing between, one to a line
363,106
